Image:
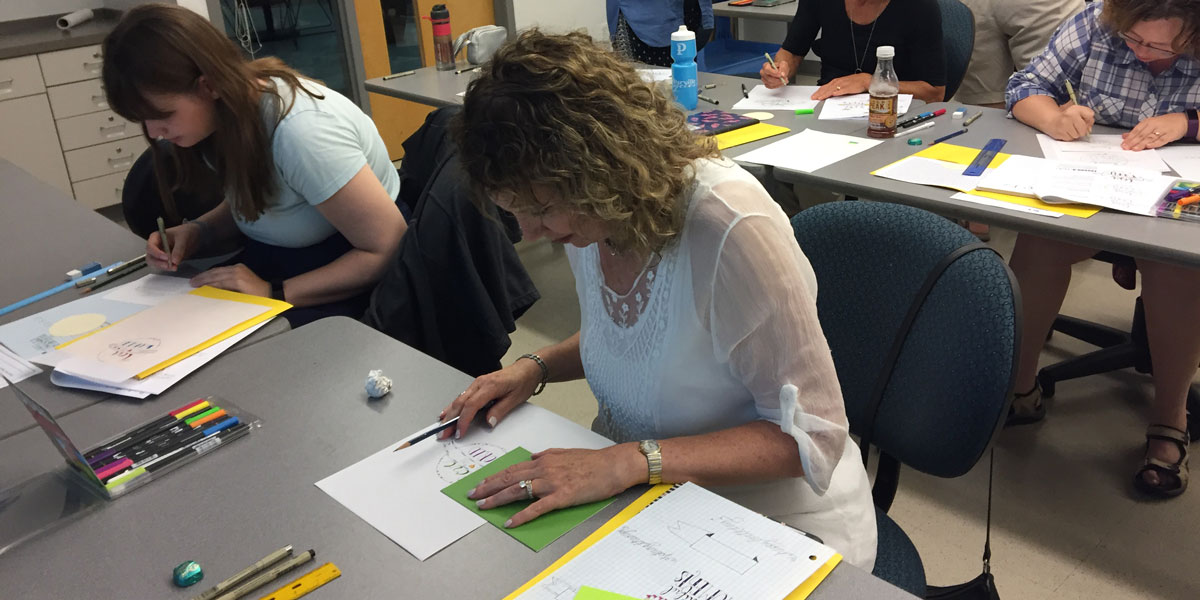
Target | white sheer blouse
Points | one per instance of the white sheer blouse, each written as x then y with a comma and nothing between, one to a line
720,331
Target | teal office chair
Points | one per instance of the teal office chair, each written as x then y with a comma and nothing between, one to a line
958,39
923,322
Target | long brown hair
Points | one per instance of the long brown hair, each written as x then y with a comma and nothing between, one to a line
559,111
1121,15
163,49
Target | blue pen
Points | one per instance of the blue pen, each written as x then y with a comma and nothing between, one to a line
50,292
949,135
222,426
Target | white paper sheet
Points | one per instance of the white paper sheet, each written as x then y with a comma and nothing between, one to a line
1099,149
160,381
1130,190
928,171
156,334
693,544
41,332
150,290
790,97
965,197
808,150
14,368
857,106
1184,158
653,75
400,493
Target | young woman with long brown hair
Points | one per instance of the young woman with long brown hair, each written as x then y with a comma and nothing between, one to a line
307,179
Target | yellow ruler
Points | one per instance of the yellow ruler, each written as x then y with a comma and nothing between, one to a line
309,582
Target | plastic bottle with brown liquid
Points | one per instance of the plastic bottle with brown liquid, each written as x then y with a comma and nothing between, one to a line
885,92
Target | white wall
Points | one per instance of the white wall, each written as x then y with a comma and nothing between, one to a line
560,16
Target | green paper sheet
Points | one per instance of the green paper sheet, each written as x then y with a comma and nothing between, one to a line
591,593
536,534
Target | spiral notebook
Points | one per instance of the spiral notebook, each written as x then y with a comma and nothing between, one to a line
678,541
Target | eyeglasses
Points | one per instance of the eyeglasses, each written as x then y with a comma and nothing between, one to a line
1151,50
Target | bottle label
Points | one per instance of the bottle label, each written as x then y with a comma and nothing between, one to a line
882,116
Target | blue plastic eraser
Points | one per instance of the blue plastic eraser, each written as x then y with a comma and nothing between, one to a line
90,268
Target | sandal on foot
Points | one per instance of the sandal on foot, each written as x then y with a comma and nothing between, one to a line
1172,477
1026,408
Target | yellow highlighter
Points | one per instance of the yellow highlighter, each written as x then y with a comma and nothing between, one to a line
307,583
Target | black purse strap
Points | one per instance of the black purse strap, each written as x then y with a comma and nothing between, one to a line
889,361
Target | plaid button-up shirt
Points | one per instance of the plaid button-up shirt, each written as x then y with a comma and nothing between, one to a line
1107,76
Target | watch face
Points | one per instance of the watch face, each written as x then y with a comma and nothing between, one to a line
649,446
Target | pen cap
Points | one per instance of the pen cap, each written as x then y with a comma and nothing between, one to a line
885,52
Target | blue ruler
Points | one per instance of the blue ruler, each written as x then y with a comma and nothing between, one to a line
985,156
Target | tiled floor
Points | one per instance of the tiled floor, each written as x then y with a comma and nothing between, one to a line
1066,523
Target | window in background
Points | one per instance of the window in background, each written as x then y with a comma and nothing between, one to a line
306,34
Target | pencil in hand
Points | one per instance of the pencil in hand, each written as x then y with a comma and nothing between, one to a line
782,79
166,244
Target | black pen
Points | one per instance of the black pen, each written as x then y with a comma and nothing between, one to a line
466,70
440,427
745,94
949,135
103,281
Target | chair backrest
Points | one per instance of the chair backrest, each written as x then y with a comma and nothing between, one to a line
958,39
949,390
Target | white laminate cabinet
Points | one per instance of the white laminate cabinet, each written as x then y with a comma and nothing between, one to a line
101,191
27,139
19,77
94,128
78,98
104,159
76,64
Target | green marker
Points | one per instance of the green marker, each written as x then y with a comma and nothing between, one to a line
804,111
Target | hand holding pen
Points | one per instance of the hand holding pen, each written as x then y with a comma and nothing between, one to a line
168,247
1073,121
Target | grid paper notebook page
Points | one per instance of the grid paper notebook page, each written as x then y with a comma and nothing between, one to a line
691,543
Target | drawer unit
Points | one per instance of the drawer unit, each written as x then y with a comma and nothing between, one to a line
105,159
94,128
76,64
77,99
101,191
20,77
27,139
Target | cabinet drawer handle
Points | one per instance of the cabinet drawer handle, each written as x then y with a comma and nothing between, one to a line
93,66
121,162
99,100
113,130
6,86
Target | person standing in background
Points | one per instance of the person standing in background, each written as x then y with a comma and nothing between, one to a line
641,29
1008,34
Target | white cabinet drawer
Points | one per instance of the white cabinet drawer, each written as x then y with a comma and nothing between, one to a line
77,99
27,139
95,128
101,191
75,64
105,159
20,77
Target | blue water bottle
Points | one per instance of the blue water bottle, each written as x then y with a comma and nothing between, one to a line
683,72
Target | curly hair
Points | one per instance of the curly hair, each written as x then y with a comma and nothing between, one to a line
1121,15
561,112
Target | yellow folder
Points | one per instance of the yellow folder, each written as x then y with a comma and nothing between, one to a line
964,156
800,593
747,134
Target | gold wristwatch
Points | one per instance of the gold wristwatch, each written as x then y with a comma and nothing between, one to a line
653,459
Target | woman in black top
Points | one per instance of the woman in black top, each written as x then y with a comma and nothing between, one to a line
850,31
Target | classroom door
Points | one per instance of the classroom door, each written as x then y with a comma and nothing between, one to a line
384,30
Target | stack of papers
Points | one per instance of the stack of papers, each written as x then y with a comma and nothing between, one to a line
1184,158
808,150
1125,189
788,97
1099,149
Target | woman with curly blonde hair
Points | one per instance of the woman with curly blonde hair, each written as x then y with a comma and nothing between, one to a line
699,331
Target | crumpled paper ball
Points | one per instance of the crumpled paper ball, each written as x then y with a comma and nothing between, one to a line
378,385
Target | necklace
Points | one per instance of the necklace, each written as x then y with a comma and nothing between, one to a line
854,45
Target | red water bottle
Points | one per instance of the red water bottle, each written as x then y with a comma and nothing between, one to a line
439,16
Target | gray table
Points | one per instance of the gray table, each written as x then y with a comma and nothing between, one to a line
782,12
1165,240
257,494
46,234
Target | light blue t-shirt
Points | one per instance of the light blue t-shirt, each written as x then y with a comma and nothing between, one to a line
317,148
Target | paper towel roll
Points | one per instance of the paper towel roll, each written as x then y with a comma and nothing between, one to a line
66,22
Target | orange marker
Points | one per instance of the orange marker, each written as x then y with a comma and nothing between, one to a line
1194,198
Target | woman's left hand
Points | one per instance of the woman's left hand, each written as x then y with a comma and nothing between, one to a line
236,278
561,478
1155,132
844,86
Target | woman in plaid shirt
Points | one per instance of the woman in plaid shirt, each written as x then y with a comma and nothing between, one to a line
1133,64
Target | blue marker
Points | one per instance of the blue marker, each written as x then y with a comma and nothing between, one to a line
50,292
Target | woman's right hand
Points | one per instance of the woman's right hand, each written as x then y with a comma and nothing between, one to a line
776,76
509,387
1072,123
183,238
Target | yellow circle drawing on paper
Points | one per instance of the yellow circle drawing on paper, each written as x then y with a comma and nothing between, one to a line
77,324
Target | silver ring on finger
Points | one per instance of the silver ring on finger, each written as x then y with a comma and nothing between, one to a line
1157,133
527,485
